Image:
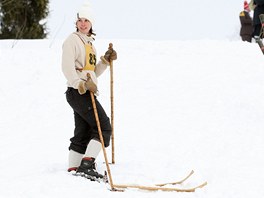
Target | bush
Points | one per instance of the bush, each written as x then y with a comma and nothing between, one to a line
23,19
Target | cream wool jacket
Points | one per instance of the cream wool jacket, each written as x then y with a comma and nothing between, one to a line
73,56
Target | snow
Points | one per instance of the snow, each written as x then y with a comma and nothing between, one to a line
179,106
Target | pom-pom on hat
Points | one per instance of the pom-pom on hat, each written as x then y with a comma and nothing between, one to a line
246,6
86,12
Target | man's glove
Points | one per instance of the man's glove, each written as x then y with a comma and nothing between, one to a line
87,85
110,55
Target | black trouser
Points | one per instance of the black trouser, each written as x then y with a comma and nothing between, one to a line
257,29
85,123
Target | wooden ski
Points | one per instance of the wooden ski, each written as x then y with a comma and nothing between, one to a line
161,186
261,35
260,44
177,182
157,188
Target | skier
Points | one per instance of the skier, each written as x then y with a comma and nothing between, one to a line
259,9
81,72
246,23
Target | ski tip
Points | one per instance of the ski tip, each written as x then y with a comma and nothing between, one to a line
202,185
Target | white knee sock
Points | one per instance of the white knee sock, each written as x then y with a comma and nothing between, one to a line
93,149
75,159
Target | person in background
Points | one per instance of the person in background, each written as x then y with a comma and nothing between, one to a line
259,9
246,29
80,68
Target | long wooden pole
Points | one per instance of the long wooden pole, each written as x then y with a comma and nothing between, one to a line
102,141
112,110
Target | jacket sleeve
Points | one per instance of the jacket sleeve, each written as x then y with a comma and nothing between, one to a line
100,68
68,62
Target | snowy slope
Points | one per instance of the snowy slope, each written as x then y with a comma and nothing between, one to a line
179,105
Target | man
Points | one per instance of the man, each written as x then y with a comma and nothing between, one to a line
246,23
259,9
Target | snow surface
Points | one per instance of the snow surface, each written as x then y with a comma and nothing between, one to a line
179,106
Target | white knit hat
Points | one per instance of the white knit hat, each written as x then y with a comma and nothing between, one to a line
86,12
